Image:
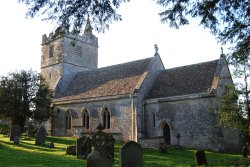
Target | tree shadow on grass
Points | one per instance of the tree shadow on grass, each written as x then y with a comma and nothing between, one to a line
30,156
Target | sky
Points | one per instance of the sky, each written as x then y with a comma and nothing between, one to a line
133,38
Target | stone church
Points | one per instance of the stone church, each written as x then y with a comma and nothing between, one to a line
139,100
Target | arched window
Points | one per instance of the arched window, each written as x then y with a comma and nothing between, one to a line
68,120
85,118
106,118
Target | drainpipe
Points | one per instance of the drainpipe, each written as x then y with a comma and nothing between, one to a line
133,112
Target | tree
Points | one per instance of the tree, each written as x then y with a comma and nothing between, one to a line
74,12
235,106
24,95
229,20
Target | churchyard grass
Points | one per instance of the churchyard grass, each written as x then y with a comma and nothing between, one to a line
27,154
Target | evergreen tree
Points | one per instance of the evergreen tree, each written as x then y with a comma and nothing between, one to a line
24,95
235,106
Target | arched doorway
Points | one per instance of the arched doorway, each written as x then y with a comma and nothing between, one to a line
166,133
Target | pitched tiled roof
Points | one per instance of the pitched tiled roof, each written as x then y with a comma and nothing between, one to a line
191,79
113,80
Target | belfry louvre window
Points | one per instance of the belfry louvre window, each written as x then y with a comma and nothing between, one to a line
68,120
106,118
79,51
85,119
51,51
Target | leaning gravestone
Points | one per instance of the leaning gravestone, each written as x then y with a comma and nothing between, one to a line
15,131
40,136
200,158
131,155
101,155
83,147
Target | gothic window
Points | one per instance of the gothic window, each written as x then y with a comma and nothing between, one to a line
79,51
85,119
106,118
68,120
51,51
154,119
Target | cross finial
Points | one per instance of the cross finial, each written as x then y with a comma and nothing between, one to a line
156,48
221,50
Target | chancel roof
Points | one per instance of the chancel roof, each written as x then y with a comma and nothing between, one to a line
190,79
107,81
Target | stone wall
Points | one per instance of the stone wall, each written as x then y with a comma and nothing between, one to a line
192,118
120,120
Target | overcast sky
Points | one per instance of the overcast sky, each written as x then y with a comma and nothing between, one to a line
128,40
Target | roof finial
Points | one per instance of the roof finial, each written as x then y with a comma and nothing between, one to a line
156,48
88,28
221,50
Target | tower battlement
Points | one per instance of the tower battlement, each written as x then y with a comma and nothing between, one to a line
90,39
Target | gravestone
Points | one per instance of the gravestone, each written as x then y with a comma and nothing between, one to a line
15,131
51,145
71,150
102,154
40,136
245,150
83,147
16,140
200,158
131,155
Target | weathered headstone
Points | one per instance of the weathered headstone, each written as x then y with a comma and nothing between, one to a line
131,155
51,145
163,147
71,150
200,158
245,150
40,136
16,139
101,155
15,131
83,147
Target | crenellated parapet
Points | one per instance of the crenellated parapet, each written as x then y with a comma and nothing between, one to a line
87,38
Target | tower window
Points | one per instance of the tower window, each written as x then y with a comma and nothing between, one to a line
85,119
51,51
79,51
50,75
106,118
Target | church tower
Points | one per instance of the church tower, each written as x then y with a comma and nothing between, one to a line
64,54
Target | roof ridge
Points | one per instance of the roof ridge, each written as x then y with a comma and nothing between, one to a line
129,62
201,63
115,65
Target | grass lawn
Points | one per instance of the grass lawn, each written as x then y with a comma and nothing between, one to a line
27,154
